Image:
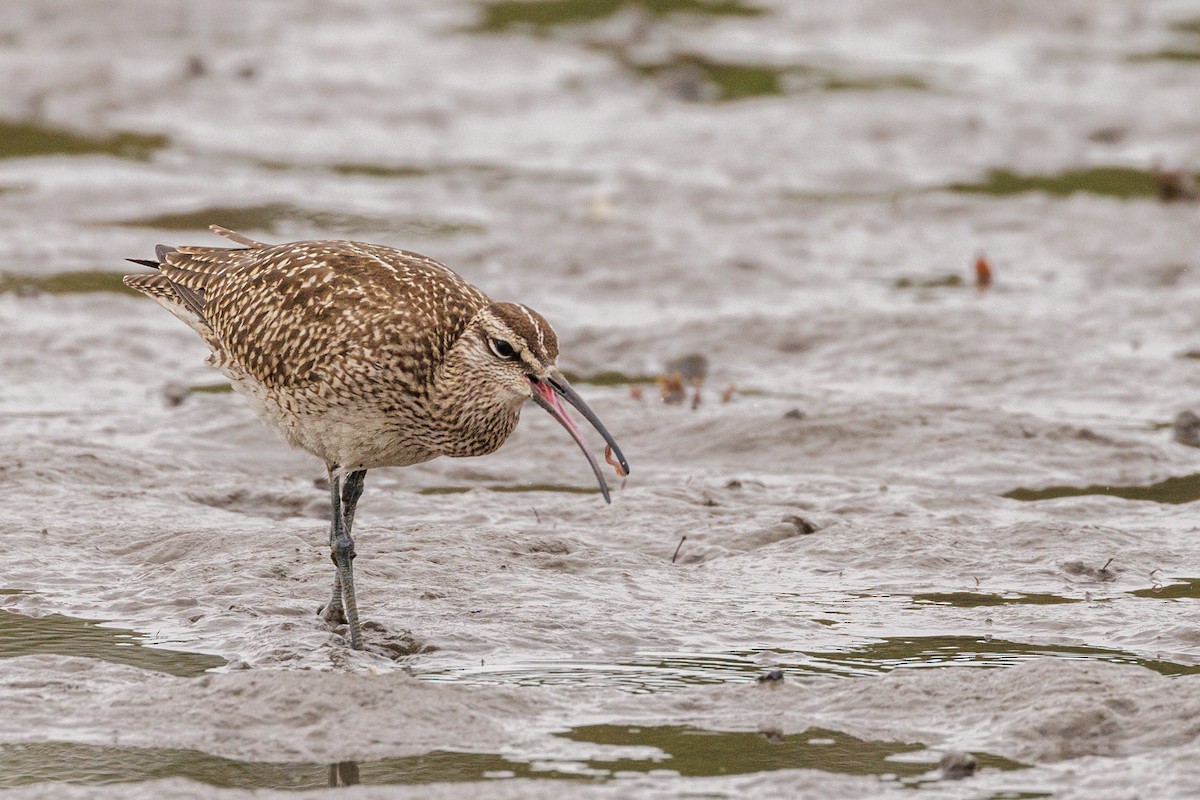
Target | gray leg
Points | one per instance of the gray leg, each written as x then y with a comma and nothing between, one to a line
352,489
344,492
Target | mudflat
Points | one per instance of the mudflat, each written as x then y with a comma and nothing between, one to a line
897,516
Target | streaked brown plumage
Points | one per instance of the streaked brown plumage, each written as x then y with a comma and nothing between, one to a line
364,356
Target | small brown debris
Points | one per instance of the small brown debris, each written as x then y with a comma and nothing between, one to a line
195,67
727,395
1175,186
983,273
174,393
794,413
695,398
671,389
1186,429
635,392
956,765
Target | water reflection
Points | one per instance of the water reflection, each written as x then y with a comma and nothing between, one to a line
344,773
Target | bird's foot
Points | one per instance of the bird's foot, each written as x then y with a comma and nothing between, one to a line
333,613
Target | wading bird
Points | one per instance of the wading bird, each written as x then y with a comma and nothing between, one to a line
365,356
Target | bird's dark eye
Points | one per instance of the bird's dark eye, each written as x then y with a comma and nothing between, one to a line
502,349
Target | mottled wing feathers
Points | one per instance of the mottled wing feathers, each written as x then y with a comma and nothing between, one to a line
155,286
324,314
234,236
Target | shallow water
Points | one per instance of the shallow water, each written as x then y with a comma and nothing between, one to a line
947,516
665,750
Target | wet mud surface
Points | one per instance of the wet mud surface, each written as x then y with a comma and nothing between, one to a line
891,516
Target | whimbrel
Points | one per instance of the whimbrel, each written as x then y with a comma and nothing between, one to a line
365,356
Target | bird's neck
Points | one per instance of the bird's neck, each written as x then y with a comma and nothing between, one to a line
471,416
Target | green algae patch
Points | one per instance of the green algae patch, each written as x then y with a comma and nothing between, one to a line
727,81
88,764
488,172
272,218
1168,54
543,487
1187,26
700,78
211,388
1174,491
1120,182
834,83
22,635
985,599
82,282
546,14
607,377
382,170
668,750
517,488
20,139
697,753
1189,589
950,652
949,281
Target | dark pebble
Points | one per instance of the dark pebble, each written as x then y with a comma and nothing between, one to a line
774,676
956,765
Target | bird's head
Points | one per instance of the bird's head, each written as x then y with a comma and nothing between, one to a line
514,351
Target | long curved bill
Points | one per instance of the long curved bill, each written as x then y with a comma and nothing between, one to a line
549,394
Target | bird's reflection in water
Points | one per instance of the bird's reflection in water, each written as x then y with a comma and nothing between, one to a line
344,773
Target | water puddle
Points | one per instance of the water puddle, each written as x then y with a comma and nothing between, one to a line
1184,489
979,599
54,634
83,282
620,751
664,672
272,218
1189,589
25,139
1120,182
514,487
541,15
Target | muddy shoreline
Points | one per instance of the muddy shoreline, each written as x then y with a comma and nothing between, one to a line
950,519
